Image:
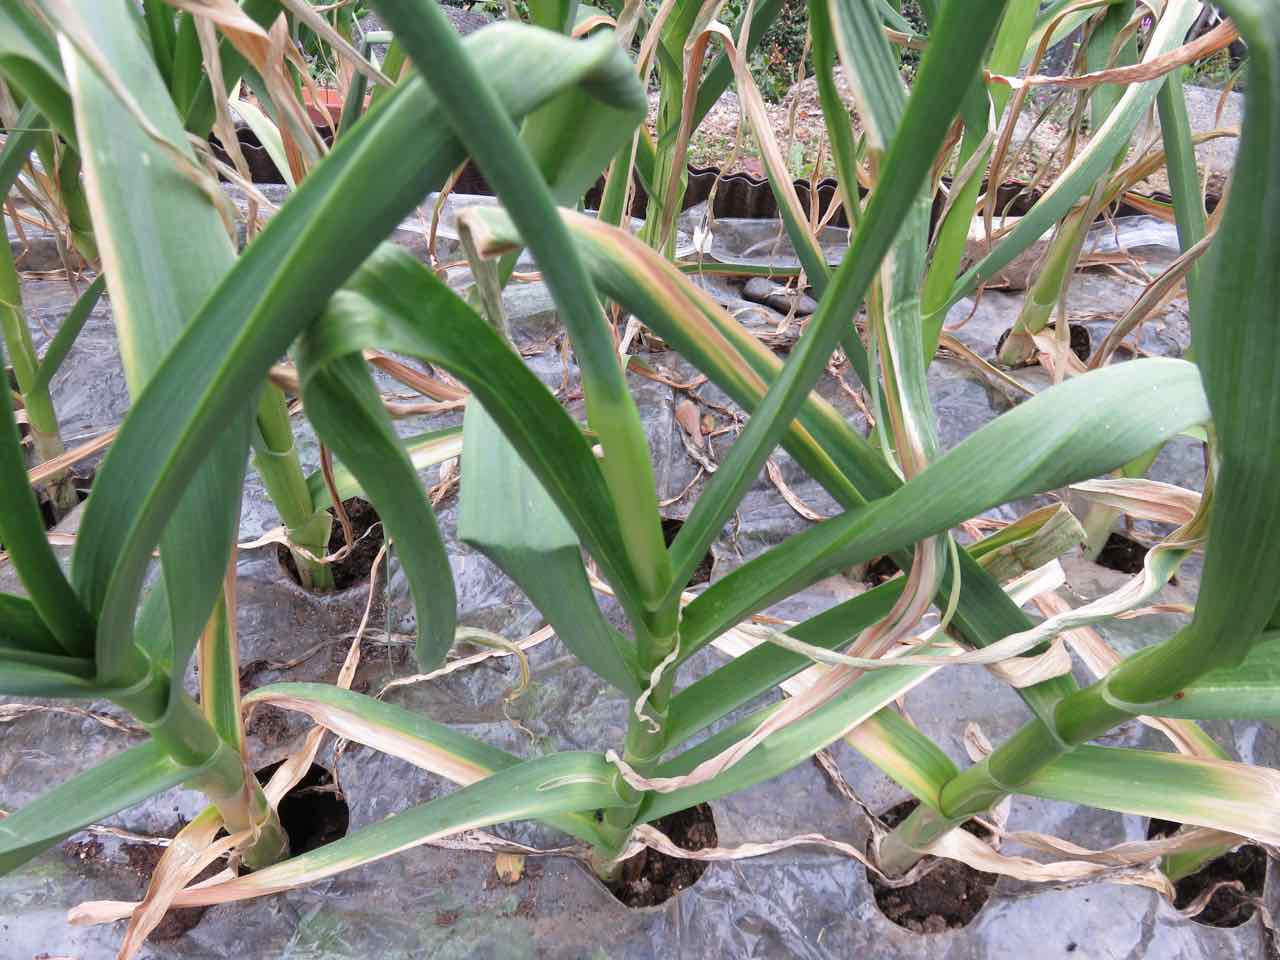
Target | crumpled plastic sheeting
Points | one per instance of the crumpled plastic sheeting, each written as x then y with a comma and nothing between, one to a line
88,390
759,242
440,902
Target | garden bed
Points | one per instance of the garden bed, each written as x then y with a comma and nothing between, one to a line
449,899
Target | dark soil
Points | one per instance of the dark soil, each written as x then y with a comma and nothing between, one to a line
312,816
1122,554
946,898
880,570
269,724
1242,872
1081,342
702,572
143,858
650,877
354,568
313,813
90,848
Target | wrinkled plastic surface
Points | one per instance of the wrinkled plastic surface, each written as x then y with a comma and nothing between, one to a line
439,902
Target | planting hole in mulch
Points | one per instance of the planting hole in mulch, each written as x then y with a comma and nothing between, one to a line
651,877
1238,875
702,572
81,484
946,898
313,813
1081,342
354,568
881,570
1121,554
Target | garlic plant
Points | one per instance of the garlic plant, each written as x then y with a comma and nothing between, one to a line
542,114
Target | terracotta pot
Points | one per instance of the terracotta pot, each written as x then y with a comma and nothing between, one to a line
327,97
318,100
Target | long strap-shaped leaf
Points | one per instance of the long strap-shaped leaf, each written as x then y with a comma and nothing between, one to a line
1239,356
532,542
18,144
1238,351
21,627
540,551
164,250
813,259
410,736
395,303
982,106
1082,428
29,60
22,533
476,115
541,788
344,407
896,328
1240,360
1236,797
127,778
1245,691
820,439
1184,174
959,41
27,674
1093,161
397,152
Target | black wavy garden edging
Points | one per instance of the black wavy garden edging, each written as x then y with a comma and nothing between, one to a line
739,195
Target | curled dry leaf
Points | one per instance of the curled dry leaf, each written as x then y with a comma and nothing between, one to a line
312,17
268,52
528,643
976,744
1056,357
690,420
1159,293
1033,540
1219,38
949,342
789,495
14,711
1027,671
1100,658
1143,499
193,849
1131,867
281,536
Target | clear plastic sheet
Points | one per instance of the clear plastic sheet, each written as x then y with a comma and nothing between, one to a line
440,902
